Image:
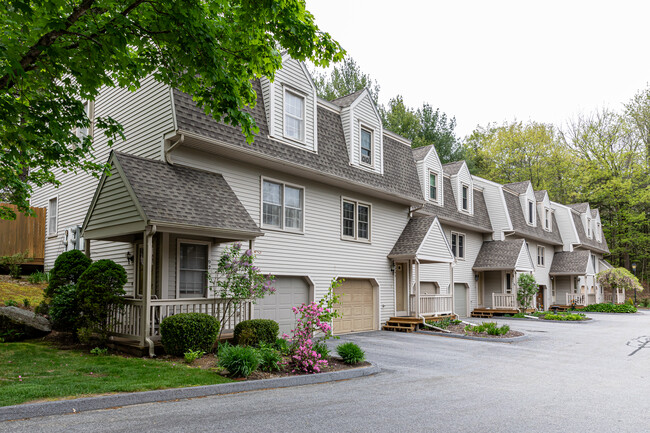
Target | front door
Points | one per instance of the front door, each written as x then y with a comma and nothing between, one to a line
540,298
401,292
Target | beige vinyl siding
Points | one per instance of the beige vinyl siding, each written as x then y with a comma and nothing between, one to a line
346,123
319,253
492,283
145,115
496,207
266,97
524,260
431,164
541,272
364,114
292,77
524,199
464,177
434,244
562,287
565,226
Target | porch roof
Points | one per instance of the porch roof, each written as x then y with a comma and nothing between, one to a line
141,192
424,240
504,255
570,263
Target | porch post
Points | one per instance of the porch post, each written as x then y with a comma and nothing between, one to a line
452,287
417,288
87,247
146,292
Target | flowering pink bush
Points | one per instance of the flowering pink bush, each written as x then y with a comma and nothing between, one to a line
303,356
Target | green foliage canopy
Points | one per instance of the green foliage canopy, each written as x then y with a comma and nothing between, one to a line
343,80
56,54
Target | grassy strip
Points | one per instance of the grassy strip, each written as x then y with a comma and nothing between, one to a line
37,371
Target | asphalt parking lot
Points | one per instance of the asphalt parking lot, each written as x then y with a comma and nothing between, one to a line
589,377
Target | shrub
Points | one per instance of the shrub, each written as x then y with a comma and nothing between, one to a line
183,332
84,335
99,351
610,308
282,346
38,277
564,316
11,303
193,355
270,359
240,361
64,309
26,303
321,348
256,331
43,308
350,353
13,263
490,328
99,289
67,269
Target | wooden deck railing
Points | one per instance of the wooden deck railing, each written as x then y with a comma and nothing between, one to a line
576,298
126,321
504,300
434,304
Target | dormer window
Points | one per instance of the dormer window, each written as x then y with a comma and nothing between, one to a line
433,186
531,219
598,231
366,146
465,197
588,228
294,116
547,219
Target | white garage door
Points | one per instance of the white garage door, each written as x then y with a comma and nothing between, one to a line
357,307
289,292
460,299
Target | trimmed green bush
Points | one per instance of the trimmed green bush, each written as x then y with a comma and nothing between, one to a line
270,358
565,317
350,353
183,332
64,310
240,361
256,331
490,328
67,269
610,308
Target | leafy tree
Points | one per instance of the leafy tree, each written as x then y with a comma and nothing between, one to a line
618,278
343,80
424,126
527,289
56,54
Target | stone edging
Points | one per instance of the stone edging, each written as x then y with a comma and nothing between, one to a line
471,337
61,407
589,320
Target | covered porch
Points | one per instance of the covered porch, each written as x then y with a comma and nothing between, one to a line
422,242
573,279
173,217
497,268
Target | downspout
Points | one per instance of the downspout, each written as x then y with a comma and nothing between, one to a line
150,232
172,147
411,210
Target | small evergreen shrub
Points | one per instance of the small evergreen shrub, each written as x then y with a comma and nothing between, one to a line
183,332
610,308
64,311
350,353
256,331
67,269
240,361
270,358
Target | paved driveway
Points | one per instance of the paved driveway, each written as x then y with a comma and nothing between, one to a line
566,377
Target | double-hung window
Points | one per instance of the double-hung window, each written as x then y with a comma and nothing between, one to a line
355,220
433,186
540,255
192,269
366,146
588,228
294,116
458,245
547,219
52,216
465,197
282,206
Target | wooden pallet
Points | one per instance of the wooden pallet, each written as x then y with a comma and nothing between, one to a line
402,324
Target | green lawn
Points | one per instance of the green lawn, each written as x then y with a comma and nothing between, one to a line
38,371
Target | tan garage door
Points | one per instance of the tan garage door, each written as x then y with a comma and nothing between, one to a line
357,307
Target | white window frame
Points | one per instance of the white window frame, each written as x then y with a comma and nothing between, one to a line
180,241
598,232
435,175
465,187
547,219
285,114
531,213
282,227
356,237
589,232
363,127
456,249
505,283
55,233
541,249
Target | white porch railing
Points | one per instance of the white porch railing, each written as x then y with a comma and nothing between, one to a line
504,300
576,298
433,304
620,298
127,321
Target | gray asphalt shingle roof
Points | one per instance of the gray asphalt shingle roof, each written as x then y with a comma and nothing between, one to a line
347,100
585,241
399,178
570,263
580,207
412,236
419,153
450,214
498,255
521,227
518,187
452,168
539,195
181,195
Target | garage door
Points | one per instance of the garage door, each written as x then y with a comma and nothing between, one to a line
289,292
356,307
460,299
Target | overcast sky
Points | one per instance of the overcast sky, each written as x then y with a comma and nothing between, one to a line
494,61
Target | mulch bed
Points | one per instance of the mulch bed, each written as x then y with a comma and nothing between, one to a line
460,330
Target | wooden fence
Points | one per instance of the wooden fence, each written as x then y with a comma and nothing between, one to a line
25,233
